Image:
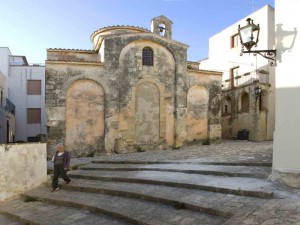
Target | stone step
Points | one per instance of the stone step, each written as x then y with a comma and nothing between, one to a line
34,212
240,163
229,185
230,171
6,220
133,211
224,163
202,201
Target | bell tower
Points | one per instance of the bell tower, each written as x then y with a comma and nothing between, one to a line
162,26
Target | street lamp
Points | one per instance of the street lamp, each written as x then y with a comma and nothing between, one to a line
257,92
249,35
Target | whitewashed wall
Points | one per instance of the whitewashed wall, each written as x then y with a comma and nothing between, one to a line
222,58
18,95
4,60
22,167
286,155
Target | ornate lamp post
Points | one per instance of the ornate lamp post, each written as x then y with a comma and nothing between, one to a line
249,35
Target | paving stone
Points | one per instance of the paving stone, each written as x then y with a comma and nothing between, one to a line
36,212
141,201
132,210
274,211
213,203
228,151
230,185
4,220
192,168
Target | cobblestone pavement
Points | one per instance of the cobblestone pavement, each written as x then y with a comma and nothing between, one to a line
283,209
226,151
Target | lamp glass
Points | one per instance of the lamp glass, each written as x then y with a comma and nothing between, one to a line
246,35
249,34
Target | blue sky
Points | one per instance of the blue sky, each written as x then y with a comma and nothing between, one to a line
29,27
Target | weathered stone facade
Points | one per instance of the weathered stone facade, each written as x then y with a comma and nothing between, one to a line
106,100
242,109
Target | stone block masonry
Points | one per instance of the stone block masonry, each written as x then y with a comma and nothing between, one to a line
116,98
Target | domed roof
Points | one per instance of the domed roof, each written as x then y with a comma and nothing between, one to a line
119,29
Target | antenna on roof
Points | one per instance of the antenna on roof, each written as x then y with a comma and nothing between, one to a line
251,4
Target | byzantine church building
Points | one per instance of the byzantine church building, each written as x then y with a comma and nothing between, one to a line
135,90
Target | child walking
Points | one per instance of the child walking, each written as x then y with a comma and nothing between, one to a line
61,162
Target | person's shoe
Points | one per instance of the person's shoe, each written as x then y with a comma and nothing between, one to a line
55,189
69,182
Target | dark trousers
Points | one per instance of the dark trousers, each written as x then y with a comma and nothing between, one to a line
59,171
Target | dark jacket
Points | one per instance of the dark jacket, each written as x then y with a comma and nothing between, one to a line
67,159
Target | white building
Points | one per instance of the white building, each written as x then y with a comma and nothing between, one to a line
242,110
7,108
286,155
26,89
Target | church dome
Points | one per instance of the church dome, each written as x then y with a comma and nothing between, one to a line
121,29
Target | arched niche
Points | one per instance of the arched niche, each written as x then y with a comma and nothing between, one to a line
244,102
197,113
84,117
227,105
147,113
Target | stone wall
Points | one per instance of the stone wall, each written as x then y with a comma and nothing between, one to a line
23,166
107,101
253,119
204,105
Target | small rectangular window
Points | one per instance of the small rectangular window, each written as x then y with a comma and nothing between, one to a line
226,109
235,41
33,139
1,99
147,56
33,115
34,87
233,73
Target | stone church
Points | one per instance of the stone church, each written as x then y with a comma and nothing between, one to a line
134,91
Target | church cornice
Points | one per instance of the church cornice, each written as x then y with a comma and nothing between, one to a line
94,63
70,50
208,72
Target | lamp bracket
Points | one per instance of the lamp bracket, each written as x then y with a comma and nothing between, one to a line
268,54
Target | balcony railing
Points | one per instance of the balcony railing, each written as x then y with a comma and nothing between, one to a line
244,79
9,107
18,64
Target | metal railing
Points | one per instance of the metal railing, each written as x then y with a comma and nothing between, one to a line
245,79
10,107
13,63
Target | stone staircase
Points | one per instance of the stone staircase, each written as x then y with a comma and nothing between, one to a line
147,192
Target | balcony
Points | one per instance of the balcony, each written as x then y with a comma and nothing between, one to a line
247,78
8,106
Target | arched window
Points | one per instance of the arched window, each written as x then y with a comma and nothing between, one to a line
263,101
227,105
147,56
245,102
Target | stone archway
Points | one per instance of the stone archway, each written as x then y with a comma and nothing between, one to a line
85,117
197,117
147,112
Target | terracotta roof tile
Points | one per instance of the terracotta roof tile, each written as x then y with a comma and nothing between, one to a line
205,71
79,61
119,27
73,50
